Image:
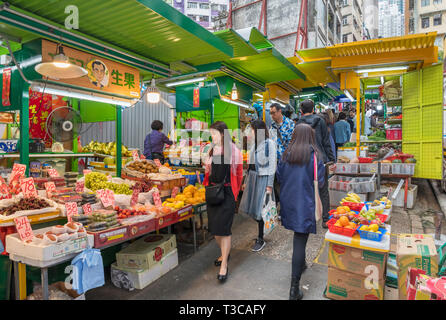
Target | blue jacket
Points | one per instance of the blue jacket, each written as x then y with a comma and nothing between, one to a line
88,270
342,130
297,195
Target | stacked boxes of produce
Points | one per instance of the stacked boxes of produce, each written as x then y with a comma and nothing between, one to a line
144,261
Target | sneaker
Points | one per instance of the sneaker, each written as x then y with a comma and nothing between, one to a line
324,225
258,245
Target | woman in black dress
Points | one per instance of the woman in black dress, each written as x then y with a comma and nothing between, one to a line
224,164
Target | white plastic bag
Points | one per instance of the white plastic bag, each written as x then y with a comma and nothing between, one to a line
269,213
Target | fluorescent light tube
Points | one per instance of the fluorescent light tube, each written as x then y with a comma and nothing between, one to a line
237,103
79,95
374,86
179,83
305,95
347,93
371,70
382,80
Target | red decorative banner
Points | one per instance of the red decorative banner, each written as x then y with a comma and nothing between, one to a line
39,110
196,98
6,87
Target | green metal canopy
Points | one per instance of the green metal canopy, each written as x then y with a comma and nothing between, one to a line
148,34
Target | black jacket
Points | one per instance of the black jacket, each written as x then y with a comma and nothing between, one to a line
322,135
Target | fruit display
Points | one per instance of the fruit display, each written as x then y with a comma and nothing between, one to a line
378,135
343,211
141,210
387,201
59,233
106,148
96,181
25,204
144,185
185,172
143,166
190,195
371,228
368,218
344,222
101,220
351,197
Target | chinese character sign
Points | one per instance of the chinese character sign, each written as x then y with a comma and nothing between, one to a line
87,209
28,188
135,155
175,191
40,106
24,228
71,208
50,188
17,170
53,173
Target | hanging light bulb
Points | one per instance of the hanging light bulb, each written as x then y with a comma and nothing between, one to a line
153,95
234,95
60,67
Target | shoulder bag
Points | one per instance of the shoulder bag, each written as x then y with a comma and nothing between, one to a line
317,199
215,194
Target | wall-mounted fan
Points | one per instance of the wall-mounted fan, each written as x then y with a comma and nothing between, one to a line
64,124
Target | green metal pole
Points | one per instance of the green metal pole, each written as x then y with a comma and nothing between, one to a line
118,141
24,128
74,160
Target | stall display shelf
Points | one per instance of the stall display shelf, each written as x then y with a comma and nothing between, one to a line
33,219
382,141
48,155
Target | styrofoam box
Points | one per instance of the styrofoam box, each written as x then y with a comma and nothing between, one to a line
411,197
47,253
347,168
139,279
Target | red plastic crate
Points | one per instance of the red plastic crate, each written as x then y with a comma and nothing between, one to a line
394,134
354,206
382,217
365,160
340,230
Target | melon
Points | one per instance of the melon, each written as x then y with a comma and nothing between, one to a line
410,160
397,161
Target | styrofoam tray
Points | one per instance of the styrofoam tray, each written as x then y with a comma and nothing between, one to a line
49,253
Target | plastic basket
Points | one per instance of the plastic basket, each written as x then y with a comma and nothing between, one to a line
394,134
354,206
403,168
382,217
365,160
340,230
373,236
362,185
373,168
347,168
339,183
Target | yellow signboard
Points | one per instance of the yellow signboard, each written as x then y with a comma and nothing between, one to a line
103,74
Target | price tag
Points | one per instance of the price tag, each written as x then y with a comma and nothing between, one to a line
71,210
28,188
175,191
135,155
86,172
156,198
198,176
24,228
50,188
107,198
53,173
135,195
5,191
80,186
157,162
87,209
17,170
142,157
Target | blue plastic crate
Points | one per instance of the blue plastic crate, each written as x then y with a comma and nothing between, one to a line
373,236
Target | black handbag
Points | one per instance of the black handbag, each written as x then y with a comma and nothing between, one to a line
215,194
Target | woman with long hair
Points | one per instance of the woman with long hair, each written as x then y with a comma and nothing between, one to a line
326,117
297,201
259,179
224,165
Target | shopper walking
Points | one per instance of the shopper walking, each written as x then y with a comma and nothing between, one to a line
281,130
296,175
259,179
351,116
154,142
326,117
223,172
342,129
326,153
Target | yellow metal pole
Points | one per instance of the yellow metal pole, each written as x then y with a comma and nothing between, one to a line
358,123
22,281
265,98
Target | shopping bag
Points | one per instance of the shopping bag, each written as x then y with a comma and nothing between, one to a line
317,198
269,213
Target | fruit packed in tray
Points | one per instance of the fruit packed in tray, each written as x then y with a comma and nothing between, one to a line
89,198
101,220
68,197
40,182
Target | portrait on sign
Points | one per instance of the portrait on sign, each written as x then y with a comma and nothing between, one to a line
98,73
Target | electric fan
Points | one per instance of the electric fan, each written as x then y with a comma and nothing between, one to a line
64,124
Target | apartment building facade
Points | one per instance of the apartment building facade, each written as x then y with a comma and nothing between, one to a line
352,20
391,18
431,17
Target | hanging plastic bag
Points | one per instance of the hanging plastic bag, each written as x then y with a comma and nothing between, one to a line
269,213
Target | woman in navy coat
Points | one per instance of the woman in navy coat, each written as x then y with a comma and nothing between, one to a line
297,203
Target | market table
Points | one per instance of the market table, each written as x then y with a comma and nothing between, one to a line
49,155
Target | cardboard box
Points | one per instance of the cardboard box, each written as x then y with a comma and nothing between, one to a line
139,279
146,252
423,287
390,293
356,260
342,285
415,251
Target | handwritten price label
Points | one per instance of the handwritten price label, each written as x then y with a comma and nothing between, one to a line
24,228
17,170
175,191
157,198
80,186
86,172
135,195
53,173
107,198
71,210
142,157
28,188
157,162
50,188
135,155
87,209
198,176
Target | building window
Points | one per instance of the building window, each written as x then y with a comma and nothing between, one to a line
224,7
437,1
437,19
425,22
412,4
345,38
425,3
344,20
344,3
411,25
204,18
192,5
204,5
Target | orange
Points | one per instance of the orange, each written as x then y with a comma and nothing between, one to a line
338,224
344,221
340,210
352,224
347,209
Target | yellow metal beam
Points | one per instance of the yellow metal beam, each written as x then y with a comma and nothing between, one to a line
22,281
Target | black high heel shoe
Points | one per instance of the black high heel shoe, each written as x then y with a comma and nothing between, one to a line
223,278
217,262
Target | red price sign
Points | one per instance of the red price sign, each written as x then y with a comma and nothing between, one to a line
156,199
71,210
53,173
175,191
157,162
142,157
87,209
80,186
50,188
135,195
86,172
135,155
17,170
107,198
24,228
28,188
